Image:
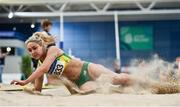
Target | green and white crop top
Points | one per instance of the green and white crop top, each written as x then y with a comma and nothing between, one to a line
59,64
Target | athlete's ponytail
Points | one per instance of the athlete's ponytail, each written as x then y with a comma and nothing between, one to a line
41,39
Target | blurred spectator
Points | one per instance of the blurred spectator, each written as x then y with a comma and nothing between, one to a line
46,25
117,68
178,63
2,63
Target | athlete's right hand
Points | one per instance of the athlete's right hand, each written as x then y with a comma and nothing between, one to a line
18,82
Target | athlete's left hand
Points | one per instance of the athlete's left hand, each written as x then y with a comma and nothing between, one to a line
18,82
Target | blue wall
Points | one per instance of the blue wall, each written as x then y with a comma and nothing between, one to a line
22,32
95,41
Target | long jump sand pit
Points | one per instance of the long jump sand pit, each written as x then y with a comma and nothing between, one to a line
152,84
61,97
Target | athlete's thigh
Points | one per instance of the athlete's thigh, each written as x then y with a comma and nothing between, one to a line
95,70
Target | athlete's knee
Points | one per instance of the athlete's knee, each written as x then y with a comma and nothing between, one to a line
88,86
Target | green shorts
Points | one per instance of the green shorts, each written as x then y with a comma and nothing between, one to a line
84,75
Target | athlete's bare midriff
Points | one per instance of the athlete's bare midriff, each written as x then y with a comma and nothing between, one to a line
73,69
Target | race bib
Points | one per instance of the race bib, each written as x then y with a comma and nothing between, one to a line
59,65
59,68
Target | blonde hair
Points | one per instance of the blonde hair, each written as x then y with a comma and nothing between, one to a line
41,39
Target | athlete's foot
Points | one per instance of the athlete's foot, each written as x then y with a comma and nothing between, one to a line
88,92
78,90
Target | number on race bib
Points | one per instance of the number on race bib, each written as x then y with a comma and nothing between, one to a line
58,69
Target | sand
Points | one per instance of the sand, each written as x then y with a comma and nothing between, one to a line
137,95
62,98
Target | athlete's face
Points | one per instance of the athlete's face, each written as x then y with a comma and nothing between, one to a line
35,50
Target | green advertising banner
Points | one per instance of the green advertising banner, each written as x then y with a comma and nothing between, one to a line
136,38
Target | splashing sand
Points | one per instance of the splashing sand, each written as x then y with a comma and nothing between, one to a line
153,76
